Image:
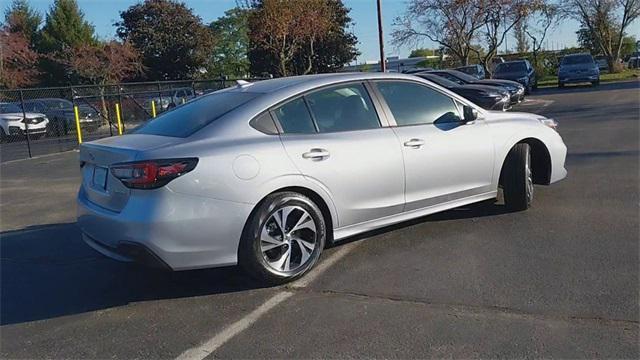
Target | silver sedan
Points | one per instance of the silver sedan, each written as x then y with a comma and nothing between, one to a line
266,174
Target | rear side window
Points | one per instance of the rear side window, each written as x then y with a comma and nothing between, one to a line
413,104
294,117
185,120
343,108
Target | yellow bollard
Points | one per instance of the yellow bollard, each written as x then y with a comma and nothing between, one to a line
75,111
153,108
119,119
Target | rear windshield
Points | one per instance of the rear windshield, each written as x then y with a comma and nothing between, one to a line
577,59
187,119
511,67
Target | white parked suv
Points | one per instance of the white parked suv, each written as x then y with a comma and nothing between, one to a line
14,123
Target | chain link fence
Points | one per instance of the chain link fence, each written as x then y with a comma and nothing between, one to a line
41,121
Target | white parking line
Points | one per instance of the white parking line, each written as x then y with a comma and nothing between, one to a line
211,345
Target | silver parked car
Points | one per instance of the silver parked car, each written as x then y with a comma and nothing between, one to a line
266,174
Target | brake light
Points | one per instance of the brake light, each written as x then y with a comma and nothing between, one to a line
151,174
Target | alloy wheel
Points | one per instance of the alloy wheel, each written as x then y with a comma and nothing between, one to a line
288,239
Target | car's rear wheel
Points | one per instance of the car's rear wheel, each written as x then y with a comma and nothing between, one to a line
517,178
283,238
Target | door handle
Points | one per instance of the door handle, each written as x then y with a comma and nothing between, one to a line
414,143
316,154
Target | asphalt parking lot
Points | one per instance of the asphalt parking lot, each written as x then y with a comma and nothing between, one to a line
559,280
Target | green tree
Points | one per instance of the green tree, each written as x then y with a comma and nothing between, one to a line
64,29
232,44
173,42
19,17
423,52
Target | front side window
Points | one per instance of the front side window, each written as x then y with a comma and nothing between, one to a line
343,108
413,104
294,117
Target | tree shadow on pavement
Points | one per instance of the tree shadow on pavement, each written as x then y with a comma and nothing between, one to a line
48,271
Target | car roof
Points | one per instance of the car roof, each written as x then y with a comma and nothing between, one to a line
513,61
307,82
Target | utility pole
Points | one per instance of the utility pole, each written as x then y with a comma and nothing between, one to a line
383,65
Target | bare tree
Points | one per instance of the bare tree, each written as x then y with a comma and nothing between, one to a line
607,21
452,24
500,17
520,33
542,19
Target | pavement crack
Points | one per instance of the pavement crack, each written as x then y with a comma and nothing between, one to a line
458,309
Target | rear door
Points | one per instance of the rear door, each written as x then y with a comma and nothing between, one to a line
336,139
445,159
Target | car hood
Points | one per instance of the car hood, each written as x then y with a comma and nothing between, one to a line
480,87
576,67
495,116
19,116
499,82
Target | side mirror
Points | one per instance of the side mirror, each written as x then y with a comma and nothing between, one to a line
470,114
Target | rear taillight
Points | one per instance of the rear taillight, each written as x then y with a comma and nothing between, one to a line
151,174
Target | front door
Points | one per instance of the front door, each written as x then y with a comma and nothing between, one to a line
445,159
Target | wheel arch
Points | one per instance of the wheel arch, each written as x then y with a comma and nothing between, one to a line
327,213
540,160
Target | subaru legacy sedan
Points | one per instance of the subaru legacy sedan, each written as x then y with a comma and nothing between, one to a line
266,174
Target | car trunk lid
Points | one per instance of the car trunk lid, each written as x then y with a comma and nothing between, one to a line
101,187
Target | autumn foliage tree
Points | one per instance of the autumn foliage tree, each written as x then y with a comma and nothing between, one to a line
105,63
283,31
17,61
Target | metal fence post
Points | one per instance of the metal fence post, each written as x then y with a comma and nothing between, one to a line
121,125
26,123
159,95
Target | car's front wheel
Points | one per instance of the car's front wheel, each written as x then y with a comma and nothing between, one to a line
283,238
517,178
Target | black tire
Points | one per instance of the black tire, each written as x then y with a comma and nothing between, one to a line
517,179
3,136
250,254
560,85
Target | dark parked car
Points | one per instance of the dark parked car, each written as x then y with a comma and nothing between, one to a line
473,70
518,70
61,115
416,70
578,68
516,90
488,97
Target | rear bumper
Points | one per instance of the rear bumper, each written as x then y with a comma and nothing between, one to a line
166,229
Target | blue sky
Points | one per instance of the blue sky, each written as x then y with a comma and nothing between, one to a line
103,13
